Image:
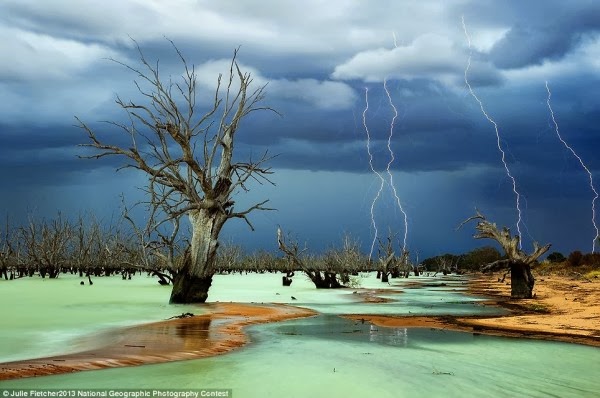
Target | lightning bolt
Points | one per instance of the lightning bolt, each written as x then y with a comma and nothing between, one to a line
582,165
503,154
392,158
373,223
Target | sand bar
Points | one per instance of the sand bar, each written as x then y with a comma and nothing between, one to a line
215,333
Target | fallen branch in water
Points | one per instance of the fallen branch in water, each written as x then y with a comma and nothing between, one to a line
436,372
184,315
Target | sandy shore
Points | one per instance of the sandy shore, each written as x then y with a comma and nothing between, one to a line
563,309
215,333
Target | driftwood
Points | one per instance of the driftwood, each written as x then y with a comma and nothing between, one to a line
182,316
517,261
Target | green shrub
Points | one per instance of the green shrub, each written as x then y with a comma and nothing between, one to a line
556,257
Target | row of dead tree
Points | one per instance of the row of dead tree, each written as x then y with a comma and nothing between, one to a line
515,260
51,247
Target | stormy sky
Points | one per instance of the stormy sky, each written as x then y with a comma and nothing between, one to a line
323,60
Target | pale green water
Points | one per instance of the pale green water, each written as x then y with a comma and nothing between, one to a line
42,317
298,358
266,288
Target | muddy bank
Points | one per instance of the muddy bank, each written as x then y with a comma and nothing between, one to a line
215,333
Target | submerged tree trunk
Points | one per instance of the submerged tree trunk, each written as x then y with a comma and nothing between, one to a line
192,282
388,265
384,277
521,281
326,280
190,289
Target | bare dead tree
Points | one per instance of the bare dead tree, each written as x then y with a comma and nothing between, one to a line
348,258
387,259
188,157
168,251
443,265
517,261
47,245
85,236
152,249
229,256
318,272
405,266
7,252
262,261
109,250
14,253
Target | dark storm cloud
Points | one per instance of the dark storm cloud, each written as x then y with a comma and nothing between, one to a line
41,156
317,69
548,38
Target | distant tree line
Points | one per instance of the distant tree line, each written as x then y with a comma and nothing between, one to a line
575,259
84,246
90,248
476,258
470,261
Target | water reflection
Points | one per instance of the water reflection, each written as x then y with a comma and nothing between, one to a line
327,356
397,337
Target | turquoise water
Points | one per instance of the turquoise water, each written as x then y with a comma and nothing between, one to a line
42,317
328,356
434,300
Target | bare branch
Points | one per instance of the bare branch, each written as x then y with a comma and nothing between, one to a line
510,243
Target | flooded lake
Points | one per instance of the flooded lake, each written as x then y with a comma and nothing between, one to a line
321,356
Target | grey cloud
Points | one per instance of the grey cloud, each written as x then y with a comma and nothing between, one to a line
551,38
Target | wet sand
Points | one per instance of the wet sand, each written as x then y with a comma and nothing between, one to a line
564,309
215,333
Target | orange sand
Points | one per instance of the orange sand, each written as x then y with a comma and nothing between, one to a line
215,333
563,309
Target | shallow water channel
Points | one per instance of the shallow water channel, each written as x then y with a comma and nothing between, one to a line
322,356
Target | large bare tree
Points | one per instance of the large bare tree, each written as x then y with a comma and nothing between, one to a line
187,151
517,261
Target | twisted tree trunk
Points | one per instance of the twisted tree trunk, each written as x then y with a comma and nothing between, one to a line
192,282
519,262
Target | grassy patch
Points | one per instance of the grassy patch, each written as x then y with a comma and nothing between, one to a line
563,269
593,274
